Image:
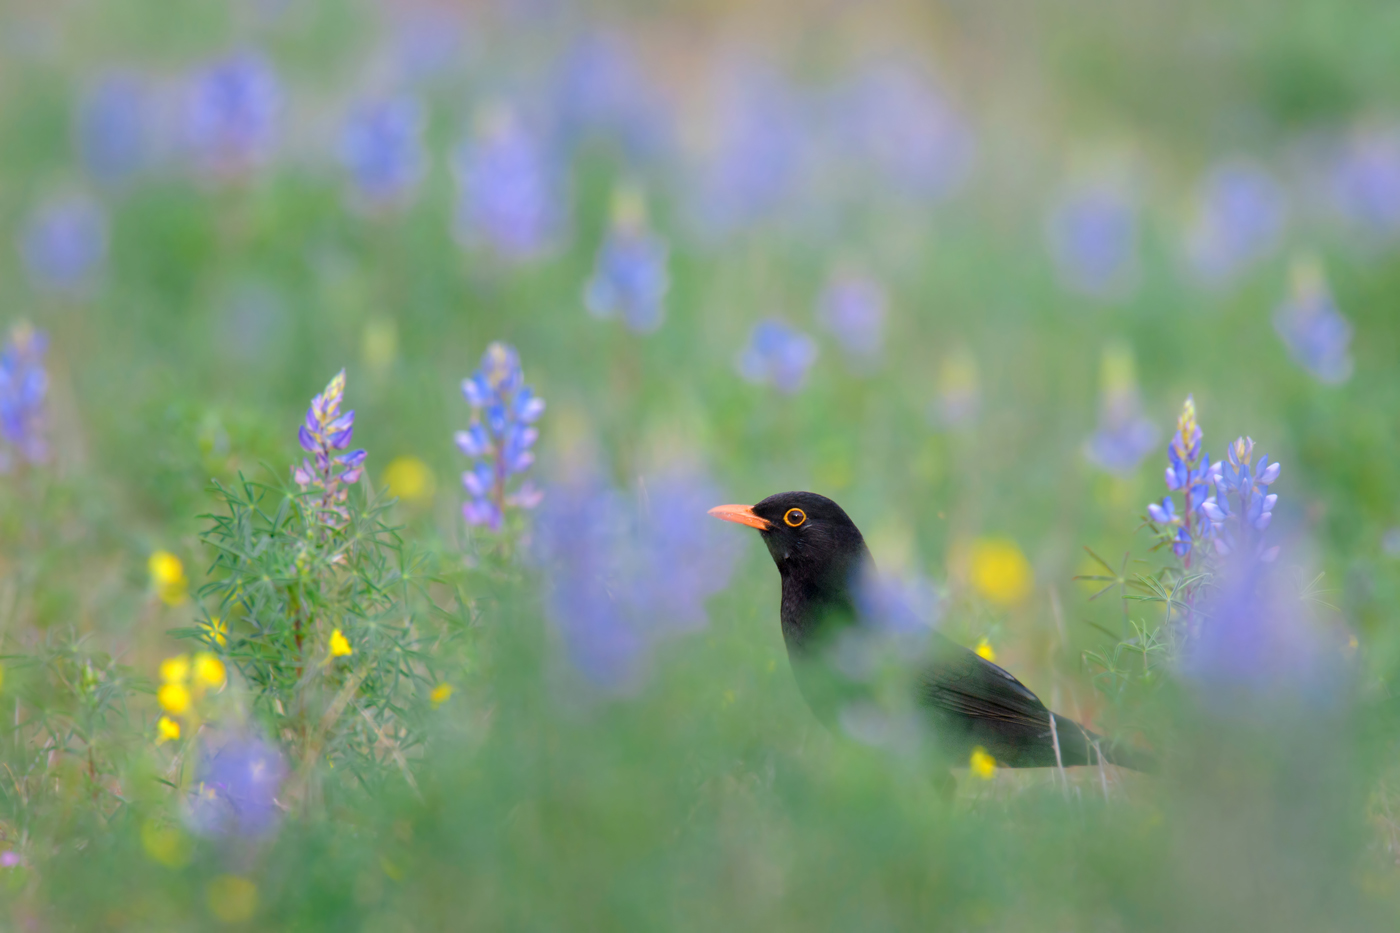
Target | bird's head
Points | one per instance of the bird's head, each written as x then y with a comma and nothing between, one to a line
808,535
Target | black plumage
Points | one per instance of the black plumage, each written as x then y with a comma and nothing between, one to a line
970,702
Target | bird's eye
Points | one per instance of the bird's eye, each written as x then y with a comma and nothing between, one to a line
794,517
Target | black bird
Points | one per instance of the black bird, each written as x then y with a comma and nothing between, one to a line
970,702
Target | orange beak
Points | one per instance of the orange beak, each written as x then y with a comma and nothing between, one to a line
742,514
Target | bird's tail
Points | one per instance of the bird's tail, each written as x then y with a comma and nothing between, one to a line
1079,746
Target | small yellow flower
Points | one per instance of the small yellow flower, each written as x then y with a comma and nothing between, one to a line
409,479
981,764
209,671
217,629
166,844
168,578
985,651
168,730
440,694
1000,571
233,899
175,698
175,670
340,646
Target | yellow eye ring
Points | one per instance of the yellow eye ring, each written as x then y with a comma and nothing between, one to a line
794,517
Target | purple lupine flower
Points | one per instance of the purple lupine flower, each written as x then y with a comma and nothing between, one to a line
237,781
1093,238
1190,473
328,473
777,354
112,127
627,572
511,195
1363,182
1124,437
898,605
1241,218
904,131
1242,506
381,144
1316,334
601,88
499,438
427,40
852,309
231,114
23,386
65,244
630,278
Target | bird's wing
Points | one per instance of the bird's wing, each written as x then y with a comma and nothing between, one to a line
963,683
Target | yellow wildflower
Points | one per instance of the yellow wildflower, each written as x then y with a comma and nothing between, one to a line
981,764
168,729
209,671
409,479
1000,571
985,651
168,577
233,899
217,629
440,694
340,645
175,670
166,844
175,698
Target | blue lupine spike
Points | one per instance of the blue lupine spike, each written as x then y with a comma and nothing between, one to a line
499,438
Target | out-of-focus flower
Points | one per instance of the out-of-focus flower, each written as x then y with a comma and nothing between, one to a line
985,651
237,781
64,244
174,698
440,695
381,145
499,438
231,113
777,354
1242,506
165,844
852,309
9,859
1093,239
113,127
959,391
233,899
897,605
903,131
340,645
602,89
168,577
1240,216
1363,182
175,669
329,474
982,765
428,39
626,573
409,479
209,671
1316,334
216,630
24,384
1124,436
185,683
1000,572
630,278
510,189
167,730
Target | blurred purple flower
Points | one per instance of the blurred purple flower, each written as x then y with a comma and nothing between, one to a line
1124,437
1363,182
852,309
777,354
231,114
499,438
1242,211
630,277
23,386
381,145
326,431
1316,334
510,189
625,572
1093,239
602,89
897,605
237,781
113,127
427,40
65,243
897,122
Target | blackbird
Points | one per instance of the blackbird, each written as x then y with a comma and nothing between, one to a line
970,702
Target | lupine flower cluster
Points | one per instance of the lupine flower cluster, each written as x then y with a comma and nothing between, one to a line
237,780
1316,334
65,244
499,438
777,354
24,383
1363,182
630,279
1093,238
852,308
1124,436
510,197
1241,218
231,113
113,128
381,145
1189,473
329,474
